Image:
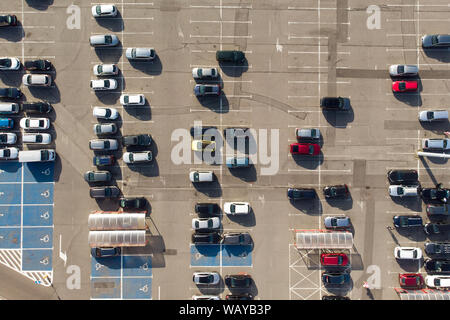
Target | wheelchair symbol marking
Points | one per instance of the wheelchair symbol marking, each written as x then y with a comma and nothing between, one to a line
44,261
46,172
98,266
198,256
144,289
46,238
46,194
45,215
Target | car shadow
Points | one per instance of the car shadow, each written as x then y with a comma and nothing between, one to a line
412,203
234,70
246,220
49,94
153,67
440,54
108,204
410,265
108,97
415,234
339,290
308,162
310,207
143,113
154,246
247,174
40,4
148,170
437,127
217,104
12,78
114,24
109,54
339,118
211,189
13,33
341,203
211,289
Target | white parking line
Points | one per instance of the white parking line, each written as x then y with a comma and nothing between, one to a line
315,23
221,7
218,21
218,36
316,52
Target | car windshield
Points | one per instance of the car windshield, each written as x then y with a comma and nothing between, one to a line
206,279
41,123
210,223
131,157
340,260
202,89
99,68
295,148
400,191
108,39
401,69
107,113
333,191
200,72
434,39
233,208
6,152
106,83
107,144
311,149
3,138
334,222
403,221
27,122
5,62
98,9
402,86
91,176
126,99
430,115
196,175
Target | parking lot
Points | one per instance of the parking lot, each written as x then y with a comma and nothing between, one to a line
296,53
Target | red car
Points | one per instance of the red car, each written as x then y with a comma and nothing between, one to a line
403,86
312,149
410,280
333,259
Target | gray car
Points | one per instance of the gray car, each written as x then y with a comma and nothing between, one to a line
339,222
403,70
97,176
237,238
104,192
140,53
103,144
436,41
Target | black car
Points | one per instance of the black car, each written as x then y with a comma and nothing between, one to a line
438,212
435,194
38,65
206,238
335,298
244,296
333,103
230,56
437,266
236,132
137,140
105,252
338,191
207,208
12,93
133,203
409,221
37,107
241,280
301,193
237,238
403,177
8,20
438,249
434,228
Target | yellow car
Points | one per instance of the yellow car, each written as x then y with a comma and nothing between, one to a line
200,145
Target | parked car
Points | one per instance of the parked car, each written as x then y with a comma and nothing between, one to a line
206,278
103,144
206,238
337,222
104,10
202,73
8,20
8,138
230,56
335,298
435,194
140,53
301,194
206,89
205,297
307,133
41,138
404,86
106,69
435,41
407,253
433,115
311,149
201,145
9,63
37,65
333,259
237,238
335,278
240,280
132,99
11,93
403,177
105,252
9,108
105,128
97,176
9,153
439,250
205,223
438,213
236,208
137,140
408,221
437,266
335,103
105,113
104,84
34,123
37,80
403,191
411,280
6,123
403,70
435,228
436,144
137,157
201,176
104,40
237,162
438,282
133,203
337,191
37,107
104,160
241,296
104,192
207,208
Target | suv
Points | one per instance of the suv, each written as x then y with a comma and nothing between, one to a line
132,99
104,40
140,53
201,176
308,133
137,157
133,203
240,280
435,194
207,208
407,253
403,191
335,278
433,115
438,213
436,41
103,144
8,20
403,176
37,80
230,56
104,192
410,221
206,89
12,93
337,222
37,107
137,140
333,103
97,176
237,238
301,193
435,228
338,191
37,65
236,208
237,162
206,238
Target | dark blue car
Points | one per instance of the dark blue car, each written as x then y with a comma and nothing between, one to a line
105,252
410,221
103,160
335,279
301,193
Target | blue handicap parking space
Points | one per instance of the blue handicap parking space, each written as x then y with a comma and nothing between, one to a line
11,172
40,237
9,238
34,215
37,260
136,288
205,255
236,256
105,288
10,193
134,266
106,267
10,216
41,193
38,172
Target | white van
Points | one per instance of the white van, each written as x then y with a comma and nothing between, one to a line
9,108
201,176
37,155
438,282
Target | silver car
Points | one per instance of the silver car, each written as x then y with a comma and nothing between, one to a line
307,133
201,73
103,144
403,70
140,53
104,40
436,41
338,222
105,128
433,115
436,144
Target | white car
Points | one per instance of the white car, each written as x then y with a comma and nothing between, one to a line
438,282
205,223
104,40
236,208
201,176
41,138
37,80
433,115
8,138
408,253
140,53
104,10
307,133
105,69
206,278
136,157
9,153
437,144
103,144
398,70
201,73
105,113
9,63
104,84
105,128
34,123
403,191
132,99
